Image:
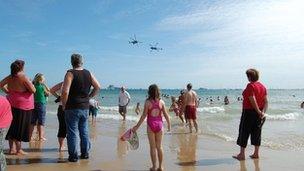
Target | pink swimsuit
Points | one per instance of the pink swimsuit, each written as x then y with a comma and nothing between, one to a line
155,122
21,100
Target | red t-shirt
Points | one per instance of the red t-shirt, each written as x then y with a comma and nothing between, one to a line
257,90
5,113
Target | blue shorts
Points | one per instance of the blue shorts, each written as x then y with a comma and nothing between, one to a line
39,114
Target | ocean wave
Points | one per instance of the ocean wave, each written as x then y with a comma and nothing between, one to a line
284,117
114,108
117,117
212,110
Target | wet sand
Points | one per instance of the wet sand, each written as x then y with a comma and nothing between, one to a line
184,152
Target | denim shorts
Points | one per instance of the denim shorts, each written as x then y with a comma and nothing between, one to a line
39,114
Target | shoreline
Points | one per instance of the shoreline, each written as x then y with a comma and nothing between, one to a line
181,152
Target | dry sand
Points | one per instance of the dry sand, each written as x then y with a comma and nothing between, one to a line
181,152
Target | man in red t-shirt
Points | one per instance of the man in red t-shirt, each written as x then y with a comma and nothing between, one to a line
255,104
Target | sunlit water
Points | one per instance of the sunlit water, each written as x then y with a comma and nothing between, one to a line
282,130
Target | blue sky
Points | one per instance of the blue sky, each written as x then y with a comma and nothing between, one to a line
208,43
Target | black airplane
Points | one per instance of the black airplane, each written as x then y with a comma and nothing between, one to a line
154,47
134,41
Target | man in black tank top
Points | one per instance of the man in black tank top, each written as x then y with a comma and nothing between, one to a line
75,101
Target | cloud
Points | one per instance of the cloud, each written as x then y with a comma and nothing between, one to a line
243,23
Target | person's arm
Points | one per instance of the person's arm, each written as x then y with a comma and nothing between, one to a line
66,88
29,85
96,86
185,101
46,90
171,108
255,106
196,100
142,118
3,84
129,98
166,115
55,89
266,105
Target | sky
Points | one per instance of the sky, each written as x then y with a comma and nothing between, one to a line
208,43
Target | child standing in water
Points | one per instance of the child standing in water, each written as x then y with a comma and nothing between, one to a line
62,132
154,109
38,117
175,108
137,109
94,106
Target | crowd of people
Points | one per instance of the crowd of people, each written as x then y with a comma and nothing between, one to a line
24,108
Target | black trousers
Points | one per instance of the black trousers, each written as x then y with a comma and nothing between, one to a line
250,125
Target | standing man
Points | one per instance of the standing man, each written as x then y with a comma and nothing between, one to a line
123,101
75,102
189,106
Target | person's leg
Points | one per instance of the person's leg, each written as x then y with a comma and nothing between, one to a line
158,142
2,156
19,148
41,122
84,134
256,137
190,125
243,136
34,119
12,147
181,118
151,137
241,155
120,110
195,125
124,112
31,131
61,141
72,119
62,128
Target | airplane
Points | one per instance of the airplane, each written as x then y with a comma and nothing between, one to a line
154,47
134,40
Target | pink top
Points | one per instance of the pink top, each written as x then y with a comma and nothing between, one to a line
21,100
5,113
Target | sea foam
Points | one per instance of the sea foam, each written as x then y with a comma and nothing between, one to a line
284,117
211,109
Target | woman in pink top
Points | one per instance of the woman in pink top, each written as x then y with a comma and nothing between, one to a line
5,121
154,110
20,95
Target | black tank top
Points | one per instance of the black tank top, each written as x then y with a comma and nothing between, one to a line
79,91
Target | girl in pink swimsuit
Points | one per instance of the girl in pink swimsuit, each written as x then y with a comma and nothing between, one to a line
154,109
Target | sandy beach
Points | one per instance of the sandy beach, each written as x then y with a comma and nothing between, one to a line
182,152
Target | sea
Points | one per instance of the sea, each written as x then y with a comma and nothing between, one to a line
283,129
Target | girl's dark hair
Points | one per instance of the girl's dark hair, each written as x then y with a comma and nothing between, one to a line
16,67
153,92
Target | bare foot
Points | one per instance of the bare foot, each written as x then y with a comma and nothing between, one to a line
42,139
21,152
12,152
254,156
62,149
239,157
152,169
160,169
